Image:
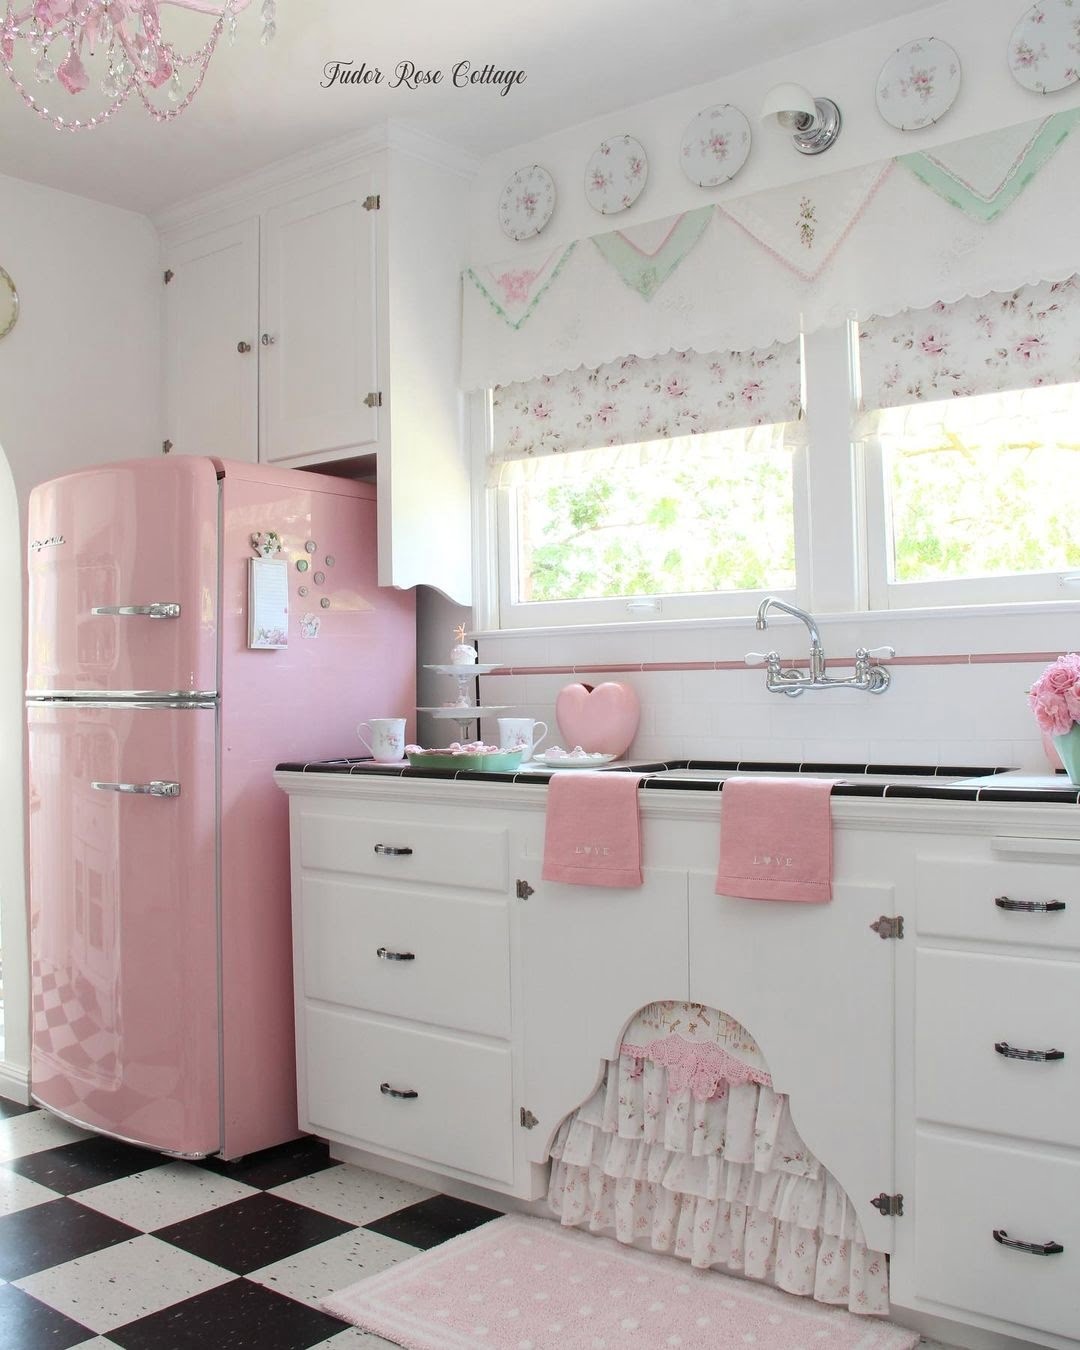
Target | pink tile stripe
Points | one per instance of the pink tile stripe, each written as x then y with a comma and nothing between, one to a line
526,1284
639,667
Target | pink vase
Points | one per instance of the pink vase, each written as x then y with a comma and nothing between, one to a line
603,720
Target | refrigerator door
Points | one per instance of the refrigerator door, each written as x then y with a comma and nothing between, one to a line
123,580
124,922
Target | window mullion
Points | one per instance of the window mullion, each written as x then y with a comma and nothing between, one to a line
832,585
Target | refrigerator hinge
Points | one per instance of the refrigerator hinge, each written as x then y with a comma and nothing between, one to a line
374,400
528,1120
373,203
169,274
166,446
889,926
523,890
890,1206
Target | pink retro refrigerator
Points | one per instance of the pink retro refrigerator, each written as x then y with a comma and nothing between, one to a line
159,870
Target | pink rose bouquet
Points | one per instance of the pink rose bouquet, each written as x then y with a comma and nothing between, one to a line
1055,695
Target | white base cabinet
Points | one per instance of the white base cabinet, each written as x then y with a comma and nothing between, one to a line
432,959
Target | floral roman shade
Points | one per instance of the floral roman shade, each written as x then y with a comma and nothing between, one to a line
1004,340
644,400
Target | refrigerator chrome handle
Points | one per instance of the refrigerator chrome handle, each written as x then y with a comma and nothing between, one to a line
155,789
158,610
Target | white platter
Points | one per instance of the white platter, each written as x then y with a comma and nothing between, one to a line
527,202
715,145
918,84
616,175
1044,50
565,762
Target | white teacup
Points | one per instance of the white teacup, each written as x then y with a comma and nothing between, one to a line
385,738
521,733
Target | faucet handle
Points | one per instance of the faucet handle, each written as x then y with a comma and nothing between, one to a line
876,651
757,658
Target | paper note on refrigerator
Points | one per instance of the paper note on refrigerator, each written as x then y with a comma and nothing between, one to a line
268,603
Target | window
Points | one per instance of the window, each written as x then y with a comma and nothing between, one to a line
973,449
697,514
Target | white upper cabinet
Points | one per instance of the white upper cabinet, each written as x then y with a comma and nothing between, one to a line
318,368
314,320
211,341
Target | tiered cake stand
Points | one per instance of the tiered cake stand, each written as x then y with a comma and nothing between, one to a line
464,712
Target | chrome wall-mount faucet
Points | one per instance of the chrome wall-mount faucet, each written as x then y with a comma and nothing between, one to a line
869,676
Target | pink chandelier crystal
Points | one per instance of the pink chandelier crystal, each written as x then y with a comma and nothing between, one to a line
50,43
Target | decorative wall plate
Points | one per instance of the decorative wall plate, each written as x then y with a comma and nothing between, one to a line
1044,50
715,145
918,84
616,175
9,303
526,202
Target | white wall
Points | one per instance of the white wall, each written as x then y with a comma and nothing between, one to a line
968,714
79,384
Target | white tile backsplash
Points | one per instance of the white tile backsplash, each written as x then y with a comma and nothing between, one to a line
965,713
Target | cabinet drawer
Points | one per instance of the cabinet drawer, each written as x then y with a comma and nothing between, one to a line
461,855
964,1191
965,1004
461,1116
957,898
458,974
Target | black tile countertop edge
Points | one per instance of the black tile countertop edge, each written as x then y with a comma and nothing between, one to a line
1066,794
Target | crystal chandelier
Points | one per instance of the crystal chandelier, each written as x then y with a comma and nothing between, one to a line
58,43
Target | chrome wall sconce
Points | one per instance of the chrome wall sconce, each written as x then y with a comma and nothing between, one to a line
814,122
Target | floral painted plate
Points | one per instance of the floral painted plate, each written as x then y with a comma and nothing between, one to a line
616,175
1044,50
918,84
715,145
527,202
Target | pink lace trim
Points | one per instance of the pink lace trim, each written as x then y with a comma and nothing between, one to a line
705,1069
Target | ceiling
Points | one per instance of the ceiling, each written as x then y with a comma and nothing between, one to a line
582,58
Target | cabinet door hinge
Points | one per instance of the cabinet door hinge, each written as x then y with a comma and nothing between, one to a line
528,1120
889,926
523,890
166,446
890,1206
169,274
373,203
374,400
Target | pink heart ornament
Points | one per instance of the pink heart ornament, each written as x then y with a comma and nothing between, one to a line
603,720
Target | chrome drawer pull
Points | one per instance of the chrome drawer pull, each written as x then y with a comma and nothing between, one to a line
1033,1248
1029,906
385,954
405,1093
154,789
392,851
158,610
1035,1056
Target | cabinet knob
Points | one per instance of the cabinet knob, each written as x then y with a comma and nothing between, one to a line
405,1094
1029,906
1033,1056
393,850
268,339
243,348
385,954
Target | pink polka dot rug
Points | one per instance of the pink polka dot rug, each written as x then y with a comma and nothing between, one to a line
528,1284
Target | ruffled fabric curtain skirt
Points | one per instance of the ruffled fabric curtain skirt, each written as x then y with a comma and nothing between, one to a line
724,1182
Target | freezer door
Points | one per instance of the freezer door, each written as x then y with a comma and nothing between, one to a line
123,580
123,921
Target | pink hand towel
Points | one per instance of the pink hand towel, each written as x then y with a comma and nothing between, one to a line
776,839
593,834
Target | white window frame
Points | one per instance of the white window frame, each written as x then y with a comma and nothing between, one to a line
973,592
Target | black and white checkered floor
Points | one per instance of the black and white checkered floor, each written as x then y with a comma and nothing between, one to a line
105,1245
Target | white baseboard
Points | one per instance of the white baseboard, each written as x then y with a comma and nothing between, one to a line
15,1083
